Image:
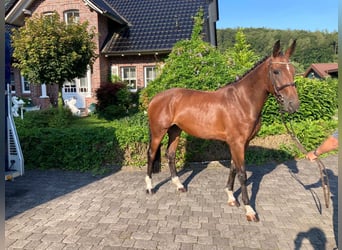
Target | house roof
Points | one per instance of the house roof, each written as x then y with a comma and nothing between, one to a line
153,25
139,27
9,4
106,9
322,69
15,11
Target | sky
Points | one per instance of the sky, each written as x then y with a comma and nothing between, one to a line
309,15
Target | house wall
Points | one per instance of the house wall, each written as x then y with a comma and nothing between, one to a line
41,6
139,62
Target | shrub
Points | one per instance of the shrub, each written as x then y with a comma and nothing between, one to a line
113,100
53,117
85,149
191,64
318,100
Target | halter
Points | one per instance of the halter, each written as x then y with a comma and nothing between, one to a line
277,89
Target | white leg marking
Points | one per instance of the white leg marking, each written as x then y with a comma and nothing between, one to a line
230,194
176,181
249,210
148,181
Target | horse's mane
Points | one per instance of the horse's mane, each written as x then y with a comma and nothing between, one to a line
239,78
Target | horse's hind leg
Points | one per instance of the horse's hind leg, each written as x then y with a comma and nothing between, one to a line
174,135
153,159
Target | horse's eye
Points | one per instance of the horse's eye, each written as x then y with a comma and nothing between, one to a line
276,72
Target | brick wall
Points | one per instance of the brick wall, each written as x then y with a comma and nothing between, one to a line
41,6
139,62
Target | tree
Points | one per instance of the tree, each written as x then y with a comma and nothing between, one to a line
240,57
47,50
191,64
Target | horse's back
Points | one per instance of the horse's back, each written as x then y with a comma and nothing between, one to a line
162,103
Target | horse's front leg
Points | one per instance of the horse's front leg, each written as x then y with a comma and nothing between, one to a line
242,176
230,186
238,168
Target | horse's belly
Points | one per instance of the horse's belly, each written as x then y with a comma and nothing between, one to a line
204,131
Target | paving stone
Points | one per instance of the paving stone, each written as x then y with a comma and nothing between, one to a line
186,239
145,244
80,211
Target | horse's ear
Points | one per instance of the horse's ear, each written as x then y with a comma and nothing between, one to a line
276,49
290,50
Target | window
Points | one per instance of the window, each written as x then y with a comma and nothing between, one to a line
25,85
128,75
79,85
70,87
71,16
12,83
83,85
49,13
149,74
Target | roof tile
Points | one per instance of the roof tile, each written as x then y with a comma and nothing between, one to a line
153,24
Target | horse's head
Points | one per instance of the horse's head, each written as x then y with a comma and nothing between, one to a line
281,73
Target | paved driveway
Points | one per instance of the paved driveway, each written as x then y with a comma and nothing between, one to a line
67,210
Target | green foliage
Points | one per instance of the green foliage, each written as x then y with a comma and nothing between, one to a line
113,100
192,64
312,47
241,57
49,51
318,101
53,117
70,149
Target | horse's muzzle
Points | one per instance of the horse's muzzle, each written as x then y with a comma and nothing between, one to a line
290,106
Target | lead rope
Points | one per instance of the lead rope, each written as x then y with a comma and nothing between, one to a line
321,166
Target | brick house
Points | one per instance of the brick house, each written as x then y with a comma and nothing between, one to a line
322,70
133,37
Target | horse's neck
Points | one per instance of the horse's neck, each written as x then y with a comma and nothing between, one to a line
253,87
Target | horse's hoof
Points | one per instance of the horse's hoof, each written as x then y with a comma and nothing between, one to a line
252,217
150,191
233,203
182,190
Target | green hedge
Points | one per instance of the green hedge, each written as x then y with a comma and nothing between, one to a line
318,100
70,149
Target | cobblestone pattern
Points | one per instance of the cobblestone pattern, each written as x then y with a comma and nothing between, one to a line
67,210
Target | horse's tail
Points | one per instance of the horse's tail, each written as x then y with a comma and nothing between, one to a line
156,165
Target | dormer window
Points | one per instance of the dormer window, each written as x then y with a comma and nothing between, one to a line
71,16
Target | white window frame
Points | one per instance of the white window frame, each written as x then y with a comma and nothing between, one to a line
12,83
49,13
131,80
85,87
77,86
70,86
148,79
23,84
74,18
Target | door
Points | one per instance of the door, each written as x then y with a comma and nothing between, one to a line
79,88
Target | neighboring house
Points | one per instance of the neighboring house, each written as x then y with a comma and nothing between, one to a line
322,70
134,36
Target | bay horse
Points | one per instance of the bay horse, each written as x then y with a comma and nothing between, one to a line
231,114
